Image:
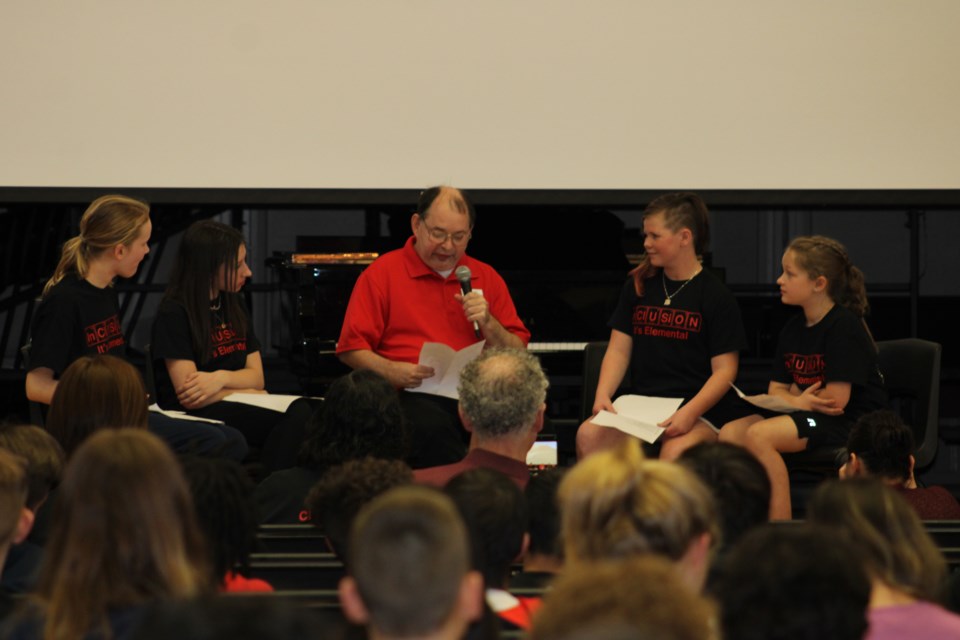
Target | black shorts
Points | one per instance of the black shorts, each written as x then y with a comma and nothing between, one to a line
821,429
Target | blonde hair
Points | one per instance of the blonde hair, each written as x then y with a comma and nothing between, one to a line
616,504
108,221
640,597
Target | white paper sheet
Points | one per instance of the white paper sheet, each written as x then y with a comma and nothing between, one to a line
766,401
180,415
543,453
446,364
275,401
638,416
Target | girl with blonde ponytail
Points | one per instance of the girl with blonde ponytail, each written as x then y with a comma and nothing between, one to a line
825,365
676,329
79,312
109,223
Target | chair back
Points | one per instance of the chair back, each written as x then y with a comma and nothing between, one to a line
149,376
911,375
592,360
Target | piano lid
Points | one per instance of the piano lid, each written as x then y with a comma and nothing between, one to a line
332,258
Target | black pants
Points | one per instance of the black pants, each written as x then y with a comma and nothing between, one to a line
277,435
200,438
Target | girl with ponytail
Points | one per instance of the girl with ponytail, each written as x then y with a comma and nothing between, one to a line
825,365
79,312
676,329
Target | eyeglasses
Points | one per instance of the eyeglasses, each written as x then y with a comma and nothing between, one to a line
440,236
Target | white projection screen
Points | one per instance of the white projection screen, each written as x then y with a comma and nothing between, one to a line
495,94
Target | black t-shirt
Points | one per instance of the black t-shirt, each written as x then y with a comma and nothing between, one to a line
171,340
75,319
280,497
836,349
673,345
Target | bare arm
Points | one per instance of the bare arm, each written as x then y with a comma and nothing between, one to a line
497,336
402,375
723,369
41,385
614,366
196,389
830,399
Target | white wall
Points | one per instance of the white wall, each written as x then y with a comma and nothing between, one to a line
491,94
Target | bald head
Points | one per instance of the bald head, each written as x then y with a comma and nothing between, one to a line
450,198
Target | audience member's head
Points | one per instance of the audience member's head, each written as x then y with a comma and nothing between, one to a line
96,392
43,455
15,518
737,480
886,531
502,394
226,512
495,513
880,444
410,567
616,504
637,598
125,533
360,417
543,515
792,582
343,490
232,618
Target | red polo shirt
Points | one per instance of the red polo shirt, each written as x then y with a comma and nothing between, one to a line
399,303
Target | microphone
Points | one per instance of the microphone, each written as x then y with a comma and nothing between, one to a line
463,275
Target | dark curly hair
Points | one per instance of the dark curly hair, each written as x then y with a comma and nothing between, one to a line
361,416
336,499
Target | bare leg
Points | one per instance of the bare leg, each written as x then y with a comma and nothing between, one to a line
736,432
766,440
592,438
672,447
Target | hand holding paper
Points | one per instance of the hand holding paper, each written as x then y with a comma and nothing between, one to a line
639,416
446,364
766,401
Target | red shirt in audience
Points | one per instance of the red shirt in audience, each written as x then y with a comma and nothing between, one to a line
475,458
932,503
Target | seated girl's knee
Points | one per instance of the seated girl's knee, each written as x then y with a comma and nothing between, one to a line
731,435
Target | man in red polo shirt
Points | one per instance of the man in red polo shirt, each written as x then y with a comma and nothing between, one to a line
411,296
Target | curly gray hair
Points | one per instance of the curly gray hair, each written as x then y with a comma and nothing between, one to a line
502,391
